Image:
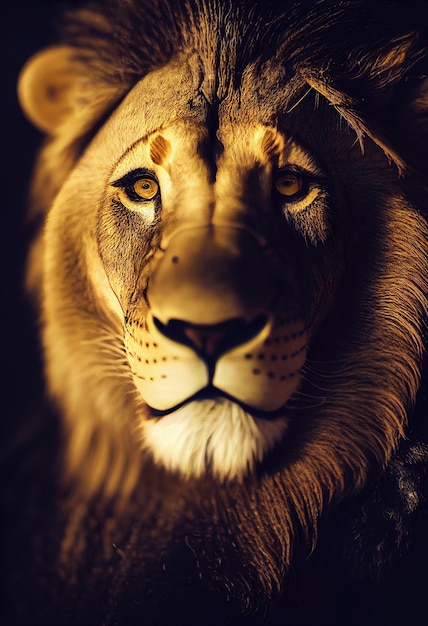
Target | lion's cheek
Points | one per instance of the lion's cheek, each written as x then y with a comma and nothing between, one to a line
264,373
165,372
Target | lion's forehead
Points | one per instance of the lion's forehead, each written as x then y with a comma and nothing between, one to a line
185,90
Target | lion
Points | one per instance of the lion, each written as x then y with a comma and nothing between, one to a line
232,278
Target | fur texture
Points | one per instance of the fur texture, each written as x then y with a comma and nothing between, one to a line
220,99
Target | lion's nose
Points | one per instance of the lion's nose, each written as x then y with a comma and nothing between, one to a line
210,341
206,339
214,281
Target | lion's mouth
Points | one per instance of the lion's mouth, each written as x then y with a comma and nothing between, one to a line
210,392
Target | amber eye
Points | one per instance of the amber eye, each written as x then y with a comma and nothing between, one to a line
136,187
145,188
289,184
141,190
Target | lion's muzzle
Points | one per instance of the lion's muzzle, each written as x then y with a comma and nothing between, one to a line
215,322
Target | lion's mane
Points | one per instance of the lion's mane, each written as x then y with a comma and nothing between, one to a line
132,540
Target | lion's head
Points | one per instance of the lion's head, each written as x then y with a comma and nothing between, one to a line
233,271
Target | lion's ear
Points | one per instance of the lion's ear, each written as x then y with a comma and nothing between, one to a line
49,88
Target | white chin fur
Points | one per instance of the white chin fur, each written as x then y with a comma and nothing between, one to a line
215,436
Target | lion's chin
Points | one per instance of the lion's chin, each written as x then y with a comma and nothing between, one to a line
215,436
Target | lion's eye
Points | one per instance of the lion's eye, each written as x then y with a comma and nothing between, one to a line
144,188
139,190
289,185
137,187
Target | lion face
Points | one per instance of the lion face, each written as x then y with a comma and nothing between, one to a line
187,249
213,269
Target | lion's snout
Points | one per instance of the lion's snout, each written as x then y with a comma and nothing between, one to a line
209,275
215,321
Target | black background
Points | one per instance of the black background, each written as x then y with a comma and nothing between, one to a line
26,26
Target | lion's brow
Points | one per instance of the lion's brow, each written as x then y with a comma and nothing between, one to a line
160,149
